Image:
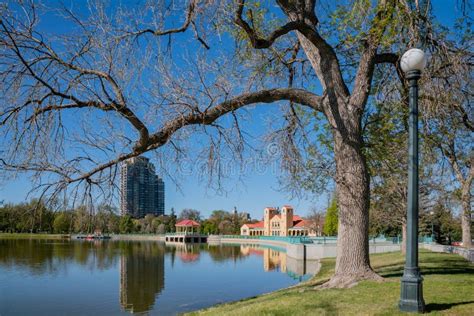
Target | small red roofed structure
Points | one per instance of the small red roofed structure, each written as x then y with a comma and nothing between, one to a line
187,226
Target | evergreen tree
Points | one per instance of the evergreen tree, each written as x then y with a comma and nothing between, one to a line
330,222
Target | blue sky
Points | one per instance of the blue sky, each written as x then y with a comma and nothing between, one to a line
249,191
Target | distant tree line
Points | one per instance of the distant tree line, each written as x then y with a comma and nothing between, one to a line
36,217
436,219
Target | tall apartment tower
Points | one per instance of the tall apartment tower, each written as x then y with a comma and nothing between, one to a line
142,191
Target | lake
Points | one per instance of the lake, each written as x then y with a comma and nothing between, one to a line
54,277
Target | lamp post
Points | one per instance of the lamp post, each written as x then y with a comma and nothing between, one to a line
411,293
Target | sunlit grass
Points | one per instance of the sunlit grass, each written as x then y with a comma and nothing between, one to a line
448,289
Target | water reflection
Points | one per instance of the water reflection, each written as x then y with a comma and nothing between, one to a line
52,257
274,258
187,253
142,275
141,268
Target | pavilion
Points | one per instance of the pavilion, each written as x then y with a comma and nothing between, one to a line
187,226
187,231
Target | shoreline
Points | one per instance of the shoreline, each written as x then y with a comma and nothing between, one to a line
73,236
296,251
33,236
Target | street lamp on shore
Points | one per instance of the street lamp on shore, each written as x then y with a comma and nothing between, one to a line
411,294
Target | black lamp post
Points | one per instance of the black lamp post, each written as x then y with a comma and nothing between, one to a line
411,294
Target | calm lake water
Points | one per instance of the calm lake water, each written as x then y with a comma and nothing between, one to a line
47,277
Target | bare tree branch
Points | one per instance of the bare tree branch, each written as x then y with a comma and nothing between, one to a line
208,117
260,42
190,14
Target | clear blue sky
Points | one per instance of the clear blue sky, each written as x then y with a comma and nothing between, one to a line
251,190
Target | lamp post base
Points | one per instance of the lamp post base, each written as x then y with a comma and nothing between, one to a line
411,296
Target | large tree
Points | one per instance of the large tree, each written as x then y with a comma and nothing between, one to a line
130,85
189,213
448,117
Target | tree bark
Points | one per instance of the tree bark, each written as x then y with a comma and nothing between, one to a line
352,177
352,180
466,215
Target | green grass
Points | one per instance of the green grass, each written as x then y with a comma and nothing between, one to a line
29,236
448,289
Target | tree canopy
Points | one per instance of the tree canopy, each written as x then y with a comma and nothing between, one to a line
117,83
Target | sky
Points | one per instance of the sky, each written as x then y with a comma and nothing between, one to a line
251,190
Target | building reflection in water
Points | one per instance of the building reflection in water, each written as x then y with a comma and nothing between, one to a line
142,275
276,259
142,269
187,253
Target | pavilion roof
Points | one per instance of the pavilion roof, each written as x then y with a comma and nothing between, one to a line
188,223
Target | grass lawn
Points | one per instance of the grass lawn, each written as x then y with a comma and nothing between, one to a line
448,289
29,236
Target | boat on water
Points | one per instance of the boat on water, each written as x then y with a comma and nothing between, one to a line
93,237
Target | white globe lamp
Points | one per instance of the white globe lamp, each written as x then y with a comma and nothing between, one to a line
413,59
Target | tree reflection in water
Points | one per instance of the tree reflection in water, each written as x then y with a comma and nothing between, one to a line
141,265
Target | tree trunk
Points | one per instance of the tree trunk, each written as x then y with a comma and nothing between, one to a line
352,180
404,237
466,215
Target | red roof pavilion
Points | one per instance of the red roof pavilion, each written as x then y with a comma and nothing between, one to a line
187,226
188,223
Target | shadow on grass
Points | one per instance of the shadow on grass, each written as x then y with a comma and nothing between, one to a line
440,307
444,264
428,271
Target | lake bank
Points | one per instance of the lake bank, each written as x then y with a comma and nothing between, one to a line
294,249
448,281
125,237
31,236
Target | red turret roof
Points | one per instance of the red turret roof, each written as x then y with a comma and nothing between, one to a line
188,223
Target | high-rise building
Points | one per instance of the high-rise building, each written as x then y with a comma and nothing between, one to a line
142,191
